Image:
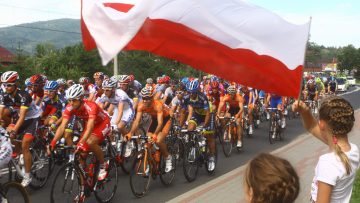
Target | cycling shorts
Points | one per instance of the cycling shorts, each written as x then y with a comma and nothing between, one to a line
154,124
101,130
29,127
234,110
127,116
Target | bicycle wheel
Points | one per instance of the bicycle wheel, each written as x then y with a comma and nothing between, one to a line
226,143
167,178
127,161
66,186
140,175
41,166
105,190
272,130
190,161
14,192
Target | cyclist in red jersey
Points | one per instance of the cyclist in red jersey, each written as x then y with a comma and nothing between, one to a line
214,94
37,91
97,124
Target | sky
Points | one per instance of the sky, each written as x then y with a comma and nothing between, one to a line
334,22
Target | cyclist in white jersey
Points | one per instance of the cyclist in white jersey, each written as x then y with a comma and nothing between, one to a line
120,105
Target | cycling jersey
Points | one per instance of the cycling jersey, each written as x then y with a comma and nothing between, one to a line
233,102
215,97
169,94
99,92
200,104
136,86
155,107
89,110
21,99
52,107
275,100
177,102
89,89
246,96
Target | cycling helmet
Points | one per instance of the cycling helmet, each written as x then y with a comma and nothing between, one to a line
149,81
166,79
51,85
159,80
37,79
193,86
231,89
61,81
9,77
75,92
214,78
106,77
84,80
311,81
99,75
214,84
184,81
124,79
109,83
27,82
147,91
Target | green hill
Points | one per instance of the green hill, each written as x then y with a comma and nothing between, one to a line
60,32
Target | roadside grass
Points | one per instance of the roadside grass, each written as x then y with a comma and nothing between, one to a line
355,197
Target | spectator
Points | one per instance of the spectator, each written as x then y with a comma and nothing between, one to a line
270,179
335,171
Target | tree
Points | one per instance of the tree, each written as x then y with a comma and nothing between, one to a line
348,59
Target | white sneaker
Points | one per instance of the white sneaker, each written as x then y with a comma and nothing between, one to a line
250,130
283,123
267,116
211,164
239,144
26,180
168,164
258,122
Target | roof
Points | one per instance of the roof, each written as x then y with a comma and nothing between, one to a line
6,55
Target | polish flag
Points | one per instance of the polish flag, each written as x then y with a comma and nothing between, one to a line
232,39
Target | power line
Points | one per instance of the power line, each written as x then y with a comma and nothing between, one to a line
44,29
39,10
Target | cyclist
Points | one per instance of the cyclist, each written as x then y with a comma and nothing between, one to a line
248,95
177,104
99,78
97,125
236,108
332,87
62,87
134,85
311,92
89,89
169,93
52,104
278,102
18,106
123,83
160,124
123,112
37,85
214,94
198,112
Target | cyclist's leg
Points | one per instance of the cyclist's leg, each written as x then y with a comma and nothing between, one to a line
161,137
94,143
26,141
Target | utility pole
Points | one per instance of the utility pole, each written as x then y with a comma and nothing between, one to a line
116,65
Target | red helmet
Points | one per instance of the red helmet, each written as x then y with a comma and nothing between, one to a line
214,84
160,80
37,79
166,79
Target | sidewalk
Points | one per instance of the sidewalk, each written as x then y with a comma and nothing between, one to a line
303,153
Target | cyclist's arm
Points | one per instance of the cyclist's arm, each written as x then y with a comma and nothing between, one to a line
250,98
137,120
120,112
60,131
221,104
191,110
241,108
20,121
160,120
308,120
89,128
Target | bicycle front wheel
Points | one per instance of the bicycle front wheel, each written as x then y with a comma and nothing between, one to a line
272,131
14,192
226,142
41,166
190,161
67,185
106,189
140,176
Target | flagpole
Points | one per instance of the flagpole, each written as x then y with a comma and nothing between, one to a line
116,65
302,78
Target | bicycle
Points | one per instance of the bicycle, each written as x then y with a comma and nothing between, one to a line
75,181
13,192
229,136
41,163
196,153
275,130
313,105
245,122
149,162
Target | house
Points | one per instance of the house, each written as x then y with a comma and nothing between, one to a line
6,57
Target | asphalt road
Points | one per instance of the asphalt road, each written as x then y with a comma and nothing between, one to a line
159,193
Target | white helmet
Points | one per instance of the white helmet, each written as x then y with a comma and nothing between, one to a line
109,83
61,81
10,77
75,92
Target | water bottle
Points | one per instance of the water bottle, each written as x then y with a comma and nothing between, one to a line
21,163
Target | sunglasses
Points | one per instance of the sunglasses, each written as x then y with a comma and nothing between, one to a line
106,90
51,91
179,92
9,84
72,100
146,98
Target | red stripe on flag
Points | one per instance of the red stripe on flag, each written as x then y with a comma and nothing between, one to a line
178,42
119,6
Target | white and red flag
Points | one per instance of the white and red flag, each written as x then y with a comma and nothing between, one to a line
233,39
